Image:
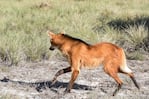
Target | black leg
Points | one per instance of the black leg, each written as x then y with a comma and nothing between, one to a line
60,72
135,82
118,88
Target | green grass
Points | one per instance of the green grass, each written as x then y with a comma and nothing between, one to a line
24,24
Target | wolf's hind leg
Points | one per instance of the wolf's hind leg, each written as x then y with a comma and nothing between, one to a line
133,79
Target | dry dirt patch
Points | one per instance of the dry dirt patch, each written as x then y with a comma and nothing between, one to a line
23,81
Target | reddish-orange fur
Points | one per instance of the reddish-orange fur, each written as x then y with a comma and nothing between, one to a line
83,55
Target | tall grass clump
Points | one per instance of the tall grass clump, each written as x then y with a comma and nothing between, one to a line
23,47
137,36
135,41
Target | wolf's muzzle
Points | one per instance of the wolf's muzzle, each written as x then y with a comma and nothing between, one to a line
51,48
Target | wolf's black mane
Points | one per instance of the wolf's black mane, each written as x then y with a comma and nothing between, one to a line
76,39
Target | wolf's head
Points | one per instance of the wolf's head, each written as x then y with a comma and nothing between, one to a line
55,40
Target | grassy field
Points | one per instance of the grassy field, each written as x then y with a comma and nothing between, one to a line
24,24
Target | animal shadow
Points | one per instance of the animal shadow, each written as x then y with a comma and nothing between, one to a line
43,85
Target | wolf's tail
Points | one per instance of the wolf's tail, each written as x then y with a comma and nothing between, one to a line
124,68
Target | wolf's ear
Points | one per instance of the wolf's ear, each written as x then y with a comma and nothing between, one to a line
50,34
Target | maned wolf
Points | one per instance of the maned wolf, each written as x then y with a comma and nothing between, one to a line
81,55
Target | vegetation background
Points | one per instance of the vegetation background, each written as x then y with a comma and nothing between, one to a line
24,24
24,45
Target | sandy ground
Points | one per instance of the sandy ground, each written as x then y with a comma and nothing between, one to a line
24,81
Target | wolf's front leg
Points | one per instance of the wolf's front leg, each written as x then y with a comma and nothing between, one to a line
71,82
60,72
